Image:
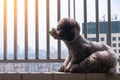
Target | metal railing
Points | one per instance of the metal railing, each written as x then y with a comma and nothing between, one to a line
48,28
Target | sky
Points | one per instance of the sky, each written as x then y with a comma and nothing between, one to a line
115,10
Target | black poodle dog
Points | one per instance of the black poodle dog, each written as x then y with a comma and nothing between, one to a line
83,56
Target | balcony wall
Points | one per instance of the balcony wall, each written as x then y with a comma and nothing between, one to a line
58,76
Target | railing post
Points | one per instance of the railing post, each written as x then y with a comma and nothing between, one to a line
109,23
97,20
5,29
26,29
15,29
59,42
37,30
85,18
47,29
74,9
68,8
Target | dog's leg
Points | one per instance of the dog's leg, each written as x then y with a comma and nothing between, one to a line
67,60
66,63
86,66
67,68
98,62
70,64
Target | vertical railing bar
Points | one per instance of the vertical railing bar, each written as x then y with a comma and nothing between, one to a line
109,23
97,20
85,18
26,29
59,42
15,29
5,29
47,25
74,9
68,8
37,30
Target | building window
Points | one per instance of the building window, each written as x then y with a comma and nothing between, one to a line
102,38
114,38
92,39
119,50
119,38
119,44
114,44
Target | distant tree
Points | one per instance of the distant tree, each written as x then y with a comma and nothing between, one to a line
116,17
112,19
103,17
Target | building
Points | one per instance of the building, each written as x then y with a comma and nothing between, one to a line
115,35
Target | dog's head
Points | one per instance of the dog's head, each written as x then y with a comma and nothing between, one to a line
67,30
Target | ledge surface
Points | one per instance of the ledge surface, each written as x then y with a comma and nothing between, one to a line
58,76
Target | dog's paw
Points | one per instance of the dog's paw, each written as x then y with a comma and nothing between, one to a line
74,68
66,70
61,69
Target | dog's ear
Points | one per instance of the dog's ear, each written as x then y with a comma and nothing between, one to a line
77,26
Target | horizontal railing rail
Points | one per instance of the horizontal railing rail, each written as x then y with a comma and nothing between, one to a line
33,61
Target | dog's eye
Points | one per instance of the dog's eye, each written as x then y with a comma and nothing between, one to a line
58,29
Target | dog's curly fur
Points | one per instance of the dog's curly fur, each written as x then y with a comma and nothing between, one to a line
83,56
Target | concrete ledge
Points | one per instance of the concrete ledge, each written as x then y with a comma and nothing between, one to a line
58,76
37,76
103,77
10,77
69,76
